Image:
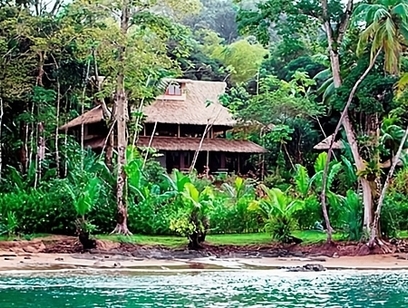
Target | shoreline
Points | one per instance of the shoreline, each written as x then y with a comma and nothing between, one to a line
65,253
51,262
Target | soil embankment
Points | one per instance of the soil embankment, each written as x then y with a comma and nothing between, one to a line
63,252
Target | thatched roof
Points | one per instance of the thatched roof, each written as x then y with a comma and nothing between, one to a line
325,144
193,109
190,144
190,109
94,115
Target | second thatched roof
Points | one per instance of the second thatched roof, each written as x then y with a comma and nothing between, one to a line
325,144
94,115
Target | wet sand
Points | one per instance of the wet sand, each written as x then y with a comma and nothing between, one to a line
10,261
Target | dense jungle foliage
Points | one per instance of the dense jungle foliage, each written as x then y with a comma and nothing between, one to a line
294,70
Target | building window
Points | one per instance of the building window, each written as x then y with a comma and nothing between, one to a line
173,89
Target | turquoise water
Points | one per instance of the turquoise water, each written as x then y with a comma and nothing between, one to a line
206,289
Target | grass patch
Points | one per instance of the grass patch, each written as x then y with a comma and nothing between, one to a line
314,236
308,237
152,240
239,239
402,234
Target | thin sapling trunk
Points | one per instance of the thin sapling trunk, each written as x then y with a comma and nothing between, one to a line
57,154
149,145
82,112
375,236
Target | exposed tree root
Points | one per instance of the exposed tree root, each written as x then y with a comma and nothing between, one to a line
384,246
121,229
86,242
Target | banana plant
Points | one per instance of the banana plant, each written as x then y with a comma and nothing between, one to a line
334,169
138,185
240,189
304,183
177,180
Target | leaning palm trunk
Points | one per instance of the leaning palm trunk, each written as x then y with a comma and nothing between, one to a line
365,186
374,236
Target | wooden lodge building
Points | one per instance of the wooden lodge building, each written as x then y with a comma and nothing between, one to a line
175,123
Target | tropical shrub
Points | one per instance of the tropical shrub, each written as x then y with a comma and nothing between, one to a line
191,219
277,209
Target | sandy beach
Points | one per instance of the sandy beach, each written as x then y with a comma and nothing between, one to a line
49,261
62,252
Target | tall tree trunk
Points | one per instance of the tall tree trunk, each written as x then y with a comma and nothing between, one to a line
352,140
374,235
121,118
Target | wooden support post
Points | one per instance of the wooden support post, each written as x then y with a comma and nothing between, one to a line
239,164
182,154
222,160
178,131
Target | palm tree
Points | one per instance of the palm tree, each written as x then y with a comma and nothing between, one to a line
386,29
